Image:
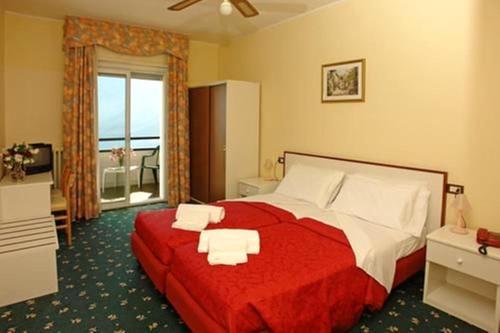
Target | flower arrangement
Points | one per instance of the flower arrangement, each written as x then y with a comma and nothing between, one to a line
118,154
17,157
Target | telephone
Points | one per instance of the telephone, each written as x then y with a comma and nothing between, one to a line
486,238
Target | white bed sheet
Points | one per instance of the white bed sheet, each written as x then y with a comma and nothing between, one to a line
299,208
375,247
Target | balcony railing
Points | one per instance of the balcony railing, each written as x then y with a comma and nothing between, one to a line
133,138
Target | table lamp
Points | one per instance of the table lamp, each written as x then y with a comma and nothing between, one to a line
270,169
461,204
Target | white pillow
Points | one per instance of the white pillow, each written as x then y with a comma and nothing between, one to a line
420,212
395,205
312,184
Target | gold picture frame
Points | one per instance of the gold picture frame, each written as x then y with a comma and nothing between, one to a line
343,81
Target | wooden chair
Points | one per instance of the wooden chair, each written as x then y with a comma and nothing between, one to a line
64,176
61,205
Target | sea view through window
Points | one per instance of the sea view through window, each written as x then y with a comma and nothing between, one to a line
146,105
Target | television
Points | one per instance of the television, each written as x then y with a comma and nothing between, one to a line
43,160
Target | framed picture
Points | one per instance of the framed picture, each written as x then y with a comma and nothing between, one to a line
343,82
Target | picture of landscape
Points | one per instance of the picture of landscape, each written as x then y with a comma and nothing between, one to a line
343,82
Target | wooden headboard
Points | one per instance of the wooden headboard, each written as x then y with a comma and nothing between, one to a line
436,180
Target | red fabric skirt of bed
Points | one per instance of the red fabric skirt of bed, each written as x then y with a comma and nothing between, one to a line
150,252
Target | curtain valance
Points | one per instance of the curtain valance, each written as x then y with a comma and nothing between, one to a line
122,38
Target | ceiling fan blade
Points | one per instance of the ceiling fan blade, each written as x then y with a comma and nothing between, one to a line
183,4
245,8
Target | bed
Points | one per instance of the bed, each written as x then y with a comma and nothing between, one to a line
154,241
306,276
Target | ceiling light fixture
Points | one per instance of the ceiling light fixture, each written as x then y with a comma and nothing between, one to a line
226,8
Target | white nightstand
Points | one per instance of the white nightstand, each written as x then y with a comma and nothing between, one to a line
254,186
462,282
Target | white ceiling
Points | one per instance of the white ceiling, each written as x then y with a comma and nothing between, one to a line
201,21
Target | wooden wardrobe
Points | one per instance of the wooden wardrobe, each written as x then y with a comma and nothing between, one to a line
224,138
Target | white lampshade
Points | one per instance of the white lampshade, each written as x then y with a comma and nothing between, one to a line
226,8
268,164
460,203
270,170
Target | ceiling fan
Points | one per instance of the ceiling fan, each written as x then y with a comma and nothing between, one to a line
226,7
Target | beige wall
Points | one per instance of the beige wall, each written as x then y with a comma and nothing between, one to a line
2,97
203,63
432,83
34,76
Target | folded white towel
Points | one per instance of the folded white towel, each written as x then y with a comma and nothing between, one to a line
216,213
227,258
222,244
192,221
249,238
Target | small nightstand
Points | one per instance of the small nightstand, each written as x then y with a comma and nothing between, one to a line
254,186
462,282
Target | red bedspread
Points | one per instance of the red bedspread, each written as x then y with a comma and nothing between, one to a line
155,227
304,280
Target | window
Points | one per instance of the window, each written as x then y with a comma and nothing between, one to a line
112,108
146,105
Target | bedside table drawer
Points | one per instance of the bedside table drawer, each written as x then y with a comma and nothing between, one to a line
464,261
246,190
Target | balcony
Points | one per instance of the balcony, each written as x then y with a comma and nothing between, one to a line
112,176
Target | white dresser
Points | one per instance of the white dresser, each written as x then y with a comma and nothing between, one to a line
461,281
28,239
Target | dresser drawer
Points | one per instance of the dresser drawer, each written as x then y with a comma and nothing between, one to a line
464,261
246,190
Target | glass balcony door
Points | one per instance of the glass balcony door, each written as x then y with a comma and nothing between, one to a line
130,133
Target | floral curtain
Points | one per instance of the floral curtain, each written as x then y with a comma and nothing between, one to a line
81,36
79,129
178,133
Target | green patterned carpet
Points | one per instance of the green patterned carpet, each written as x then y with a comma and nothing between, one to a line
102,289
